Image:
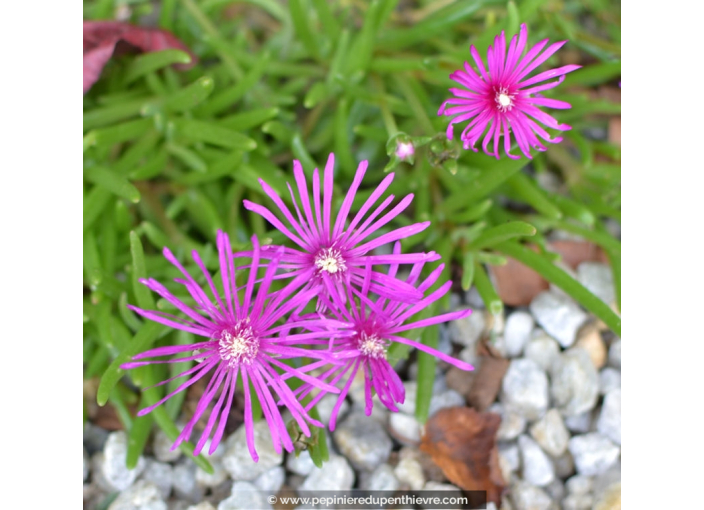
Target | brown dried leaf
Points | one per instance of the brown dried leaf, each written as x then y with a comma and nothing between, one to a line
517,284
463,443
615,130
104,39
487,382
575,252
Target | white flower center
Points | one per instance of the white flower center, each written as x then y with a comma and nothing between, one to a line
238,345
371,346
504,100
330,260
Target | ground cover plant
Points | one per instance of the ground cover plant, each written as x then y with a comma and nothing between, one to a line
198,159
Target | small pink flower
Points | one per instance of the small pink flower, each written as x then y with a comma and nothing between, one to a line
404,150
504,100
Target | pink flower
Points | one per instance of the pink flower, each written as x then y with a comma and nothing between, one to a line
333,255
404,150
371,327
243,338
504,99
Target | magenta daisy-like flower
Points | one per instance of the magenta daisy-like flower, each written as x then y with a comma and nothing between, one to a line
243,339
369,327
504,99
335,254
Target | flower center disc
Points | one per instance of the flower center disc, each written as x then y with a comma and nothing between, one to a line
330,260
238,345
371,346
504,100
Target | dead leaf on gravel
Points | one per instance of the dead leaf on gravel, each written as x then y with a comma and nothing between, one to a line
615,130
463,443
518,284
575,252
487,382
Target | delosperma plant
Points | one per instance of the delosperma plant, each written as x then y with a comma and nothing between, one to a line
290,215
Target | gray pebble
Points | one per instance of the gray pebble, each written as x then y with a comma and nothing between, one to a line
607,488
405,429
575,382
558,315
363,441
327,404
162,448
550,433
409,469
237,460
409,404
609,379
598,279
336,474
512,454
473,299
112,468
512,424
593,453
184,477
203,505
467,331
382,478
444,343
579,423
86,465
218,476
555,489
143,495
245,496
579,484
517,332
615,354
578,502
271,481
542,349
469,355
537,466
564,465
529,497
448,398
94,438
524,389
509,460
301,465
609,422
452,492
161,475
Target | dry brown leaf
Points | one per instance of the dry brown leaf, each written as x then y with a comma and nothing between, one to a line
487,382
575,252
615,130
463,443
518,284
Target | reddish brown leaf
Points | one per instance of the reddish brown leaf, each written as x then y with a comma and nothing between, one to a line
104,39
487,382
575,252
463,443
517,284
615,130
